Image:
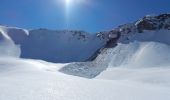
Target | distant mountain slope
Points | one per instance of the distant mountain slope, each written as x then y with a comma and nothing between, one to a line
60,46
53,46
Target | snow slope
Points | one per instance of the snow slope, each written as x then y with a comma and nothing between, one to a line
38,80
147,62
143,43
142,50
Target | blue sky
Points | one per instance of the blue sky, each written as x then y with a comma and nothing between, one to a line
91,15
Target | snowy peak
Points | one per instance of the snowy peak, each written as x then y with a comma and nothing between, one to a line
123,32
127,47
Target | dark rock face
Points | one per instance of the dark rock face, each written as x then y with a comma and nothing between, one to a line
114,35
163,17
111,37
145,25
94,56
154,23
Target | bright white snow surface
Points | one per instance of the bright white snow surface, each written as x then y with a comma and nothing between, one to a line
38,80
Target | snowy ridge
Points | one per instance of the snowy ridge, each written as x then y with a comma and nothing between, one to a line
65,46
133,49
77,46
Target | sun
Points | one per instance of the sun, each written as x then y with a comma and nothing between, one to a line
68,6
74,2
68,2
71,7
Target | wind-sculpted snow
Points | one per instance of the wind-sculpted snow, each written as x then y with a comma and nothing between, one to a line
7,46
17,35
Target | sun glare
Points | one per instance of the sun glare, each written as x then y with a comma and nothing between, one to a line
68,2
75,2
71,6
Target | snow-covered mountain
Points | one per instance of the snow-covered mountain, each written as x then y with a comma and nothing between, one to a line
133,44
51,45
77,46
130,62
142,44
